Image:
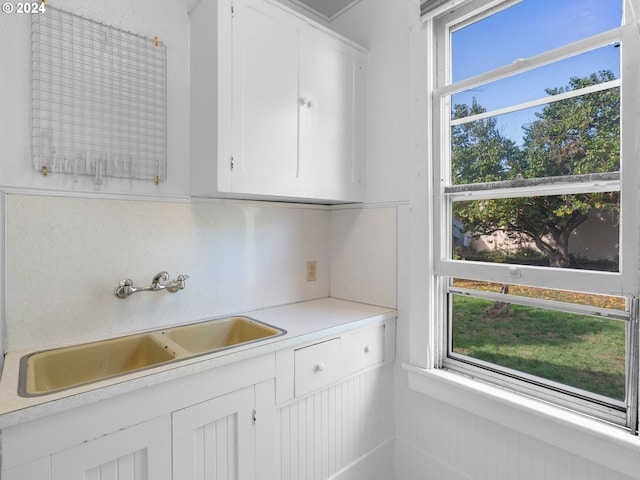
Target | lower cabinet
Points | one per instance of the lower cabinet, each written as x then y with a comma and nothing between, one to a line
140,452
215,440
334,406
197,427
307,411
211,440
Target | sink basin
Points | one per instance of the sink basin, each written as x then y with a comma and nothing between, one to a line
222,333
57,369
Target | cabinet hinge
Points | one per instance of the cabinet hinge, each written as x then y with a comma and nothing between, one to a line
253,417
231,163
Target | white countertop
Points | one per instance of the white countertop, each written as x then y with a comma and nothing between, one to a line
304,322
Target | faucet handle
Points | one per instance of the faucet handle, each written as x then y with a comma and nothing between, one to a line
160,278
124,288
177,284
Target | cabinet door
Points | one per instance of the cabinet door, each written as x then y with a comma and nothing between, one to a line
333,121
140,452
215,440
266,103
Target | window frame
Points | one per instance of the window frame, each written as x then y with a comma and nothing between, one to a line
622,283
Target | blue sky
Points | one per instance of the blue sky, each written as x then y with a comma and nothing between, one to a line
521,31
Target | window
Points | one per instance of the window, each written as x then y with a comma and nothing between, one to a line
535,147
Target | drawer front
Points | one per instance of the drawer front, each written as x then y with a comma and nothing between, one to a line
317,366
367,348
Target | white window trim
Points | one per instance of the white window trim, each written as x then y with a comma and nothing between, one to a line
607,445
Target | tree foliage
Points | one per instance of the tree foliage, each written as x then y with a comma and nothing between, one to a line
574,136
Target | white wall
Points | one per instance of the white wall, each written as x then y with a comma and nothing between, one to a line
166,19
364,255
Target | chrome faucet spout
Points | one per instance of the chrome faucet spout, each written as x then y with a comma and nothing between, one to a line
159,282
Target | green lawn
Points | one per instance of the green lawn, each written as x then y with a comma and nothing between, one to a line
577,350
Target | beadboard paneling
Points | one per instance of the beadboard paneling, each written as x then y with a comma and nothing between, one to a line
441,441
215,452
215,440
326,431
129,467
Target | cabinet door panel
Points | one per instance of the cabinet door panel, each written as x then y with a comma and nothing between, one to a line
330,136
265,100
141,452
214,440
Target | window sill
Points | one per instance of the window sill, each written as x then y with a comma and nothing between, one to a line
597,441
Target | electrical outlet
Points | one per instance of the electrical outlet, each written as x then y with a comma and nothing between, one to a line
312,271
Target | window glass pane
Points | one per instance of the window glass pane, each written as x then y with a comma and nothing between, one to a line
542,81
571,231
574,136
590,299
527,29
577,350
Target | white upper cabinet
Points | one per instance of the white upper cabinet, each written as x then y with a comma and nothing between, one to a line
266,112
332,145
277,105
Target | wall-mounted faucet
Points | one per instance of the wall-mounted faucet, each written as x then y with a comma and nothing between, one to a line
159,282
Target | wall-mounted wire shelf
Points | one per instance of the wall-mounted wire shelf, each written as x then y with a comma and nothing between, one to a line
98,99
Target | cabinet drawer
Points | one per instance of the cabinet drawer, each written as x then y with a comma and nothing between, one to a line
317,366
367,348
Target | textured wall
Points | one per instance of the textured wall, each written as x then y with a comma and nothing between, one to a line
166,19
364,255
66,256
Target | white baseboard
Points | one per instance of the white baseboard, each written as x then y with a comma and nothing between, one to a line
378,464
411,463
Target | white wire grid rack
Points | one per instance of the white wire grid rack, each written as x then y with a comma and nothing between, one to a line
98,99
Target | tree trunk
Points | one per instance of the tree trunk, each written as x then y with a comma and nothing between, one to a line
559,256
500,309
556,249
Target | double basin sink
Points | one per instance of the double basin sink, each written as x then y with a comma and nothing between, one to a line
58,369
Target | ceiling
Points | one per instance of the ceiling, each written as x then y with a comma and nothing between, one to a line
328,9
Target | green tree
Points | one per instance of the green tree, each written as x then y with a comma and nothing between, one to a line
574,136
480,153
